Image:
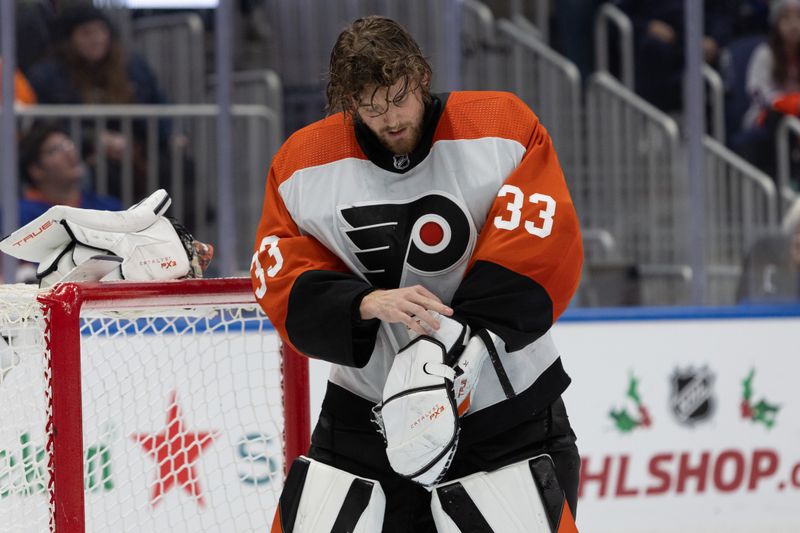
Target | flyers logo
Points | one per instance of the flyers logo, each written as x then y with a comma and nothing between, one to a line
429,235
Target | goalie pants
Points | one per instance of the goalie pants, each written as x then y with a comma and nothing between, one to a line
346,438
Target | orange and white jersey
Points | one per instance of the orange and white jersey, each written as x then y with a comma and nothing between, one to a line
479,214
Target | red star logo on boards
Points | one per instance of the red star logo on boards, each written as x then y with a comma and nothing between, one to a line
175,451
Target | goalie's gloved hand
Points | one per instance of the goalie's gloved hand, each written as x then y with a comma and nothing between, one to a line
418,415
451,333
468,360
469,364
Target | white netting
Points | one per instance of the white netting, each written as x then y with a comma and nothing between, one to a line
23,410
182,421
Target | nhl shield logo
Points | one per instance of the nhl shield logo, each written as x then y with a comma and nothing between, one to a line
401,162
692,397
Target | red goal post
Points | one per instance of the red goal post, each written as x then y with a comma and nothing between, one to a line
197,339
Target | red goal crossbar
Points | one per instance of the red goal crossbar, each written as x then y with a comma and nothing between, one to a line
63,306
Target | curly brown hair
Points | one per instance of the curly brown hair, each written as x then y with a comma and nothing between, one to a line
374,51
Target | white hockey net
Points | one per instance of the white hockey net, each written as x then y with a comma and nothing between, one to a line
23,410
182,417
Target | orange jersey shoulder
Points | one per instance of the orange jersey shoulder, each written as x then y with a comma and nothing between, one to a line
476,114
325,141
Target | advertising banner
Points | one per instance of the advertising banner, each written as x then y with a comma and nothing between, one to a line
685,423
182,433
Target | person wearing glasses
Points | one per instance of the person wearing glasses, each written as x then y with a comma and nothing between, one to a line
418,241
53,173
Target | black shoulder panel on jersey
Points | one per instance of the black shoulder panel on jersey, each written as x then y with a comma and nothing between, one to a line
320,321
510,305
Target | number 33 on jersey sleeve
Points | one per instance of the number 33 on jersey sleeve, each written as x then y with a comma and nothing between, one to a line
527,261
290,266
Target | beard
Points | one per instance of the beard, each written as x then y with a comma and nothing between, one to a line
402,145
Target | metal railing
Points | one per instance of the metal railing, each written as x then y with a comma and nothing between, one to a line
308,30
637,188
174,46
741,207
666,284
788,128
611,14
612,280
599,244
528,27
551,85
254,87
623,162
541,16
180,157
715,96
480,54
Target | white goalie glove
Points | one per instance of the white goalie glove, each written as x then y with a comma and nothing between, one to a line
72,244
468,367
427,389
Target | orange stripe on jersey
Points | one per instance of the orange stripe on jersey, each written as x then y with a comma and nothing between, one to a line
325,141
486,114
281,255
532,228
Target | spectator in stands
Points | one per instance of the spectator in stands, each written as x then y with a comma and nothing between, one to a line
574,32
773,82
23,93
54,174
88,65
752,17
34,19
659,45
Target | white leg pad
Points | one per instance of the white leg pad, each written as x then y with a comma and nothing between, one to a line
513,499
318,497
